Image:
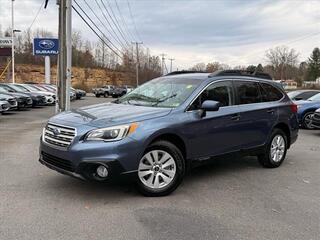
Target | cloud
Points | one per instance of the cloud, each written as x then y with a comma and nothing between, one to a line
192,31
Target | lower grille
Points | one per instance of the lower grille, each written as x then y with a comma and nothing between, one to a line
57,162
12,102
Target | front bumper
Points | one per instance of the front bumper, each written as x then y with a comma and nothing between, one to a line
81,158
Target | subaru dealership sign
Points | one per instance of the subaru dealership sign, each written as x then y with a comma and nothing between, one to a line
45,46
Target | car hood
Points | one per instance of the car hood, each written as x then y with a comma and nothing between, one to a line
44,93
306,102
109,114
15,94
6,96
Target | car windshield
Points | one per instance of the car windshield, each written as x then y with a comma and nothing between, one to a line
19,88
4,89
161,92
293,94
31,88
315,97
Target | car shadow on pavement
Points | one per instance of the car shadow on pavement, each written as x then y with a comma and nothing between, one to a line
122,189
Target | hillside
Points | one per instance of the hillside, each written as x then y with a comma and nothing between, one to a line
84,78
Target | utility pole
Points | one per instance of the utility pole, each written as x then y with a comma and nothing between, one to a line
162,62
62,57
12,39
171,60
137,63
69,51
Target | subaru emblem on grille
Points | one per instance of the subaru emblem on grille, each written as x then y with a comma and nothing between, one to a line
56,131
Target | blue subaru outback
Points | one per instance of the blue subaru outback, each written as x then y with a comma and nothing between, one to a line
156,132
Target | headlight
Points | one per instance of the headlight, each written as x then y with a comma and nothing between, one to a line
112,133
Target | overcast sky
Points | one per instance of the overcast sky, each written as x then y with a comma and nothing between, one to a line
193,31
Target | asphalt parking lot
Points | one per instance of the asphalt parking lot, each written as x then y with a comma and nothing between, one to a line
228,199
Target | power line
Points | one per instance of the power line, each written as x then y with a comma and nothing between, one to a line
124,21
97,27
115,24
36,16
79,14
134,24
115,38
110,25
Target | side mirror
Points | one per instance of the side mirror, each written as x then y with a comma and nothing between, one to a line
210,106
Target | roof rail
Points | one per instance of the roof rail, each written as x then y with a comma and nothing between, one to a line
241,73
183,72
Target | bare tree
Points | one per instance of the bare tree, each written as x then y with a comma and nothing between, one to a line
201,67
283,62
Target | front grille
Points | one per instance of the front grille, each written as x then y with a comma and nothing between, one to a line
12,102
57,162
58,135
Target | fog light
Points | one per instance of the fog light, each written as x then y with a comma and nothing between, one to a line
102,171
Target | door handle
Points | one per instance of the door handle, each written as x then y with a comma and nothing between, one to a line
235,117
271,111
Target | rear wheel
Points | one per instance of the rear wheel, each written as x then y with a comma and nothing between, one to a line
307,120
161,169
275,151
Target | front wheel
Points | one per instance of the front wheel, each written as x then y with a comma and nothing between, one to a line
275,151
161,169
307,120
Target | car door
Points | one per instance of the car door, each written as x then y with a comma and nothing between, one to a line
257,115
214,133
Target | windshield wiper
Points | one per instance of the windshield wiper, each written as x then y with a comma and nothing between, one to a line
137,96
164,99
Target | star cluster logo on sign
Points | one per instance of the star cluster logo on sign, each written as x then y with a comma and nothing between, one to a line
45,46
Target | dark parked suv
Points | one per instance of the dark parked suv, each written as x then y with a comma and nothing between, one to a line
156,132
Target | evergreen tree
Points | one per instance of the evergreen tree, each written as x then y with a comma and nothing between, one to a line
314,65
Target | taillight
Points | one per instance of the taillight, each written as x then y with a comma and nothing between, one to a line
294,108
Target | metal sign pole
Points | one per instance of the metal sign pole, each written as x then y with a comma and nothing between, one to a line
47,69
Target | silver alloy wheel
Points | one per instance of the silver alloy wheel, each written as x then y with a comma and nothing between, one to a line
157,169
278,146
308,120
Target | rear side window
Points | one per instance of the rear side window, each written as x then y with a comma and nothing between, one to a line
248,92
270,93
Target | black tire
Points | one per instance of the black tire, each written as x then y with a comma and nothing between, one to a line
305,119
265,159
179,174
97,95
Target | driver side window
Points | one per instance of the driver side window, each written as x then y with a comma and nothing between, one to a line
220,92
